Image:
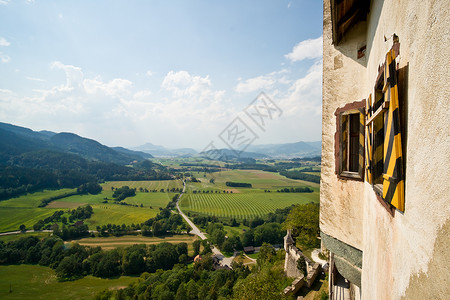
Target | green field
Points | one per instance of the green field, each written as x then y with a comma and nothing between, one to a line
37,282
150,185
13,237
108,243
258,179
25,210
240,206
243,202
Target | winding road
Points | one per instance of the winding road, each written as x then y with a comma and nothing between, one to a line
224,261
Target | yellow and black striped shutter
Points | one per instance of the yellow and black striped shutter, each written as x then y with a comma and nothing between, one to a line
362,122
344,143
368,165
393,181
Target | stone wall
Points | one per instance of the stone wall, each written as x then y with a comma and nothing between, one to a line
401,248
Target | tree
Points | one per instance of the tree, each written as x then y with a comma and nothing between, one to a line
69,268
266,254
304,222
301,264
196,245
38,225
22,227
156,228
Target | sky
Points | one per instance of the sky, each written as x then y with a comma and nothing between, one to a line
173,73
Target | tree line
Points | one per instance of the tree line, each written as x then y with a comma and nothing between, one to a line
34,171
77,261
203,281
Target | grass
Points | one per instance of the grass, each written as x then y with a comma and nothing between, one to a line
25,210
150,185
253,255
235,231
240,206
119,214
12,217
13,237
37,282
34,199
260,181
245,260
108,243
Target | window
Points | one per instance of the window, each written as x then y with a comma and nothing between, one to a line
349,141
384,155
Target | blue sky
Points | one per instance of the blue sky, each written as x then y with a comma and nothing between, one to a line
174,73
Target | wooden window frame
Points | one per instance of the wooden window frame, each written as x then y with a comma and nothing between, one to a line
380,113
350,108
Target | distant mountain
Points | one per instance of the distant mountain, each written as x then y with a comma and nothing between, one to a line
161,151
131,152
154,150
227,154
184,151
17,140
288,150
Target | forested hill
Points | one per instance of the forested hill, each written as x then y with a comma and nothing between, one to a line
17,140
31,161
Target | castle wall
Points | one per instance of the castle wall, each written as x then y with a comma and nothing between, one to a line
399,250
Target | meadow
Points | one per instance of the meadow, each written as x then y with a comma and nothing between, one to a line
259,180
243,202
108,243
25,210
242,206
149,185
38,282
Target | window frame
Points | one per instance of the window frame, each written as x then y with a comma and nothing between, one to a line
348,109
376,111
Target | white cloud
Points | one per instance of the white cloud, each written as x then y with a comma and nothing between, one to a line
35,79
255,84
4,42
263,82
308,49
4,2
183,84
142,95
4,58
115,112
289,4
74,76
149,73
304,97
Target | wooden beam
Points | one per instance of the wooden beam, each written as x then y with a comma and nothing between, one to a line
379,111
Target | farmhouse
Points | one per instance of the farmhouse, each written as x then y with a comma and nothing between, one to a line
384,210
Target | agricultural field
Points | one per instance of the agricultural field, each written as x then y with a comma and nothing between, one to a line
25,210
242,206
38,282
243,202
108,243
258,179
149,185
13,237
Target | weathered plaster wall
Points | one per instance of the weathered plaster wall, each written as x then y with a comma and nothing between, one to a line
340,197
398,251
397,248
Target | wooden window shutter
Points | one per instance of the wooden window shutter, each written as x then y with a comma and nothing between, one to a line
361,143
368,165
393,180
